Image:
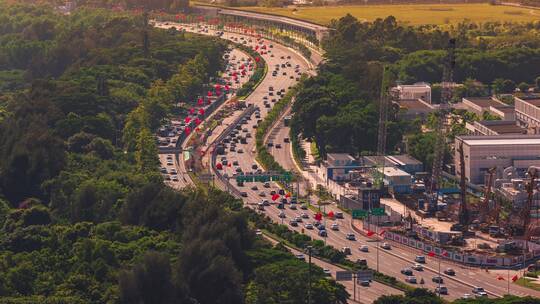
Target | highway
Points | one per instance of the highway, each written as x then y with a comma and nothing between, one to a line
391,261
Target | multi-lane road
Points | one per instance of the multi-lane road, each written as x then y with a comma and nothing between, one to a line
243,159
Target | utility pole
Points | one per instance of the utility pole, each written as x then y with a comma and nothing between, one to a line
309,273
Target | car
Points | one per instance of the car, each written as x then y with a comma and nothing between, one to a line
339,215
174,178
281,192
364,248
308,226
407,271
266,185
254,187
163,170
364,283
293,223
303,207
266,202
437,279
467,296
270,144
304,215
361,262
420,259
284,201
327,272
450,271
479,292
346,250
418,267
386,246
286,139
273,192
262,194
316,223
321,227
292,207
334,226
323,233
240,151
441,290
300,256
258,232
410,279
167,177
278,146
350,237
243,194
170,163
282,214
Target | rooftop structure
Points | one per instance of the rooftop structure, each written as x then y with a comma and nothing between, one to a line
340,159
501,151
419,90
528,112
404,162
414,108
479,105
398,181
494,127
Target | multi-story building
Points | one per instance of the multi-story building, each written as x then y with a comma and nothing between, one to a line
484,152
338,165
479,105
397,180
494,127
528,112
410,109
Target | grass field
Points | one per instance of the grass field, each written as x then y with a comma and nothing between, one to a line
412,14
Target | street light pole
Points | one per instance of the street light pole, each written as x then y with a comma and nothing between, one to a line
439,277
309,274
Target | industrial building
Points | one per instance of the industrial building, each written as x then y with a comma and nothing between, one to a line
404,162
484,152
397,180
338,165
494,127
415,91
528,112
410,109
479,105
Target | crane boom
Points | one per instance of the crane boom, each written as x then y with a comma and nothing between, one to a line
446,96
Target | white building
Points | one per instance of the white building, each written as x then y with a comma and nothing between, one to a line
415,91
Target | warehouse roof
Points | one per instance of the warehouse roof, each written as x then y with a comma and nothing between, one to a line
498,140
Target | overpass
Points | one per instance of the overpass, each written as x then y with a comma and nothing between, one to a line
283,23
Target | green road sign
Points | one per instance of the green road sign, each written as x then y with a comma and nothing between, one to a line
359,213
378,211
285,177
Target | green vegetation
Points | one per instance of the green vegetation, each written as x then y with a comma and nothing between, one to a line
412,14
84,214
258,75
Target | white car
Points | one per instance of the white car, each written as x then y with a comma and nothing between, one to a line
467,296
334,226
308,226
386,246
364,248
418,267
479,292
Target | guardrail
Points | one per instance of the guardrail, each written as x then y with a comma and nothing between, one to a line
247,112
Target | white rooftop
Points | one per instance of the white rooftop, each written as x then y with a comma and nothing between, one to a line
502,142
392,171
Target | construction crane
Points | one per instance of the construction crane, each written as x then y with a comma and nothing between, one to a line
485,210
463,210
384,104
440,131
526,211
